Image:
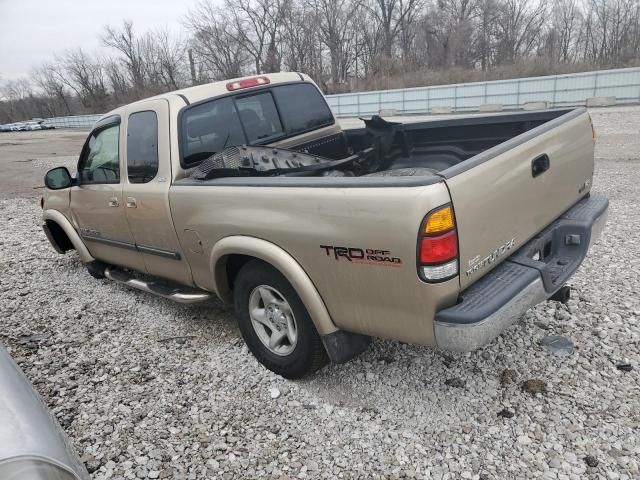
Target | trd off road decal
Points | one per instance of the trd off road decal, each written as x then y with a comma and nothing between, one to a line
369,256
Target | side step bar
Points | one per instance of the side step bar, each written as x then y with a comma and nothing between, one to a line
176,293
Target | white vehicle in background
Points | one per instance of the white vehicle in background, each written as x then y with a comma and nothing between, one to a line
29,126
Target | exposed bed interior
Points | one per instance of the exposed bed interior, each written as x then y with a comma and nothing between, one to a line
380,148
440,144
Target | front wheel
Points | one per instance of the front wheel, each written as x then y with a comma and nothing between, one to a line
274,322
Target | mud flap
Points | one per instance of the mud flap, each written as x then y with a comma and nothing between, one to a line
342,346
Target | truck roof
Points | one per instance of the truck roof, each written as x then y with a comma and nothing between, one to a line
215,89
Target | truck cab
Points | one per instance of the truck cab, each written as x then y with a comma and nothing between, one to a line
119,200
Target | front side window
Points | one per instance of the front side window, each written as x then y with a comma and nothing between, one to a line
142,147
100,161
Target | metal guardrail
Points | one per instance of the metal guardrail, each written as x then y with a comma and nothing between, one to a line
73,121
557,90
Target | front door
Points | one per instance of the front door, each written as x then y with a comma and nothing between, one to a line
97,202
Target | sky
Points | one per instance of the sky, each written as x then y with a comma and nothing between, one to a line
33,31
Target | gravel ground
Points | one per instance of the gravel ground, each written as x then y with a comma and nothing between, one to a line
151,389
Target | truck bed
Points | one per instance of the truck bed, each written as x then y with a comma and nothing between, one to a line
506,176
441,144
421,149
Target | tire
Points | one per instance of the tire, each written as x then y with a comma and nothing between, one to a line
277,321
96,269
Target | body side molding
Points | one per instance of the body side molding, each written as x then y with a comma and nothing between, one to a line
133,246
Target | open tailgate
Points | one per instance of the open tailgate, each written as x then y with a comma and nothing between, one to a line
507,194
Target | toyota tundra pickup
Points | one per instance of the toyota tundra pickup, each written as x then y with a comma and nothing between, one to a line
439,232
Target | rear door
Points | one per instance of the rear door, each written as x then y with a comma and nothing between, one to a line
507,194
146,191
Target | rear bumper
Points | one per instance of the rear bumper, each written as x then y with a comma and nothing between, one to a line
497,300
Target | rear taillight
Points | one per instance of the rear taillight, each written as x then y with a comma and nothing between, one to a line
438,246
246,83
439,249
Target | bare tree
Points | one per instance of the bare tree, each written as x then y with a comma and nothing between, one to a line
335,21
611,31
565,30
519,29
450,25
55,92
164,60
18,99
390,16
342,44
128,45
215,42
85,77
301,43
368,42
257,27
118,81
487,17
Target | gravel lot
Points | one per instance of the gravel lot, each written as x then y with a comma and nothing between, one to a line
151,389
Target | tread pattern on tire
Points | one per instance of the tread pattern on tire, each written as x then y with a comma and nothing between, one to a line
309,354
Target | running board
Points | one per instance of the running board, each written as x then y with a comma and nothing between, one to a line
176,293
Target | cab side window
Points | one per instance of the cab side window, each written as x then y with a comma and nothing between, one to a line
100,160
142,147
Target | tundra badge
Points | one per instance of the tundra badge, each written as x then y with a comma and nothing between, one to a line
476,264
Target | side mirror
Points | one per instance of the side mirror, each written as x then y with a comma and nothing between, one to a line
58,178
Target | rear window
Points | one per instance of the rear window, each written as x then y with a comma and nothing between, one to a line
259,117
302,107
251,118
209,128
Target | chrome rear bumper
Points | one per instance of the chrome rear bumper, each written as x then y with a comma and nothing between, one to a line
502,296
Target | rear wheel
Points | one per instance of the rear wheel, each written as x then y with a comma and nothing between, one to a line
274,322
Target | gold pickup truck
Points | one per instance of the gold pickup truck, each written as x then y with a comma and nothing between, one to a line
439,232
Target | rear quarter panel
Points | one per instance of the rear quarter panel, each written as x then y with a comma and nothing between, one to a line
365,297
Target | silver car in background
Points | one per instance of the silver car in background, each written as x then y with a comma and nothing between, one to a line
30,126
32,444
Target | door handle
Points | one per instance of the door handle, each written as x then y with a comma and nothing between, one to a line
113,202
131,202
539,165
